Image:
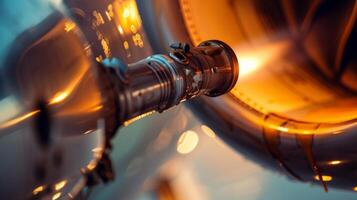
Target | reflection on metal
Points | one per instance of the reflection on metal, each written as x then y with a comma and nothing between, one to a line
127,15
56,196
324,178
91,166
47,71
298,83
62,95
160,82
335,162
69,26
187,142
165,191
38,189
17,120
130,121
208,131
60,185
120,29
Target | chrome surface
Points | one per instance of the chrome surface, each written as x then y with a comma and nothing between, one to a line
160,82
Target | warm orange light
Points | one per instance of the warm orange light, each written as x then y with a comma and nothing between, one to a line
62,95
97,150
38,189
92,164
127,16
325,178
126,45
303,129
208,131
271,81
282,129
126,13
106,48
130,121
120,29
248,65
96,108
354,189
257,57
187,142
59,96
335,162
60,185
19,119
56,196
68,26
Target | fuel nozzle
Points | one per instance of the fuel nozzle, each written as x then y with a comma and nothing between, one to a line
160,81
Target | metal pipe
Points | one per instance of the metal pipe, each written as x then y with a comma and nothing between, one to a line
160,82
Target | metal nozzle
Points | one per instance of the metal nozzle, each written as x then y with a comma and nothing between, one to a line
162,81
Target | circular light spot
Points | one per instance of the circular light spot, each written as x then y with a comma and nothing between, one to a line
187,142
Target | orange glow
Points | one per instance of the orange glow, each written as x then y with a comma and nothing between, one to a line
92,164
38,189
99,20
127,15
120,29
56,196
59,96
133,29
248,65
110,12
60,185
252,59
97,150
99,58
304,131
96,108
335,162
68,26
354,189
130,121
138,40
270,81
325,178
19,119
126,45
288,130
187,142
62,95
106,49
